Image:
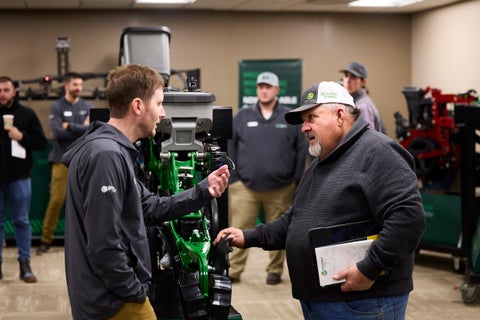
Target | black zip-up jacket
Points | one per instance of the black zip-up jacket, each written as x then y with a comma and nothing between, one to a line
367,177
75,114
269,153
107,257
25,119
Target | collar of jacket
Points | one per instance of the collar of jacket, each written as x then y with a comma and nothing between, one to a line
359,127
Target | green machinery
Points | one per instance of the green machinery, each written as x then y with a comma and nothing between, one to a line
189,274
184,262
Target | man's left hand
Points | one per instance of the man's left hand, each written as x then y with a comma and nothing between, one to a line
354,279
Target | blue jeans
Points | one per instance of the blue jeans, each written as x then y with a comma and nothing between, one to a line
17,196
388,308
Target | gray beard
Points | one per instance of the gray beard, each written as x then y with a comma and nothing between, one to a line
315,150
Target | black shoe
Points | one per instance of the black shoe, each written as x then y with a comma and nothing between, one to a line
43,248
26,273
273,278
234,280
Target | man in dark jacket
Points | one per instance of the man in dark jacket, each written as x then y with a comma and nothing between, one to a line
107,256
69,119
357,174
270,158
16,144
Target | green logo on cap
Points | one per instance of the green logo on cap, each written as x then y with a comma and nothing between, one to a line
329,95
310,95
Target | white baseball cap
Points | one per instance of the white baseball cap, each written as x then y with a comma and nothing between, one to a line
317,94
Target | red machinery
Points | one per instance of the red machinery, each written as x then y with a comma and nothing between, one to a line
431,133
442,131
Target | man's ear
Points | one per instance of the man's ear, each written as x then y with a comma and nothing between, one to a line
137,106
340,114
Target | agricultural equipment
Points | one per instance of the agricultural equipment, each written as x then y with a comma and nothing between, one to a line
441,135
186,267
431,134
190,276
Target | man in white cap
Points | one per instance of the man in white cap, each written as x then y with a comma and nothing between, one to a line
270,158
358,174
354,80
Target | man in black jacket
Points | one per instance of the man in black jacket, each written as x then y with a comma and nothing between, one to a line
357,175
69,119
107,257
16,144
270,158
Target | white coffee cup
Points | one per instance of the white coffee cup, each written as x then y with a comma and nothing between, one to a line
7,121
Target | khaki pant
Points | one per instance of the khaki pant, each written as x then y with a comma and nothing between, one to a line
58,191
135,310
244,205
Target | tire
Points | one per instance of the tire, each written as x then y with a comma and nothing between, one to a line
470,293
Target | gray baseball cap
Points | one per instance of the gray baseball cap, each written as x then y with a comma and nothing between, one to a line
357,69
268,78
317,94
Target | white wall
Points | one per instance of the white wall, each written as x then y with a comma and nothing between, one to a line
446,48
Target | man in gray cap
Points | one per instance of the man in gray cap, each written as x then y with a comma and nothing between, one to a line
357,175
354,80
270,159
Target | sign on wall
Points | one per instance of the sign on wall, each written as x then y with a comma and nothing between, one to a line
289,73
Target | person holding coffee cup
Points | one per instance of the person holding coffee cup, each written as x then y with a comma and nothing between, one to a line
25,131
8,121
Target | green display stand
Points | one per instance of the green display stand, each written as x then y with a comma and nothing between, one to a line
443,218
40,175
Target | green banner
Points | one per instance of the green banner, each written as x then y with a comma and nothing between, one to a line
289,73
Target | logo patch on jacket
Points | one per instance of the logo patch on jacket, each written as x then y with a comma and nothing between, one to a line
105,189
252,124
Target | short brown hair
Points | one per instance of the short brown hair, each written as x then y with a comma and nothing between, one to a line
6,79
128,82
71,75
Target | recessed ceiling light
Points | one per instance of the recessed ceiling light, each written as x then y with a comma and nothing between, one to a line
382,3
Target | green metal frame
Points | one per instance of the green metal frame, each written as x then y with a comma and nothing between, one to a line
175,176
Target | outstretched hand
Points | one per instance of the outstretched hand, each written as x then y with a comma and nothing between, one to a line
233,235
218,181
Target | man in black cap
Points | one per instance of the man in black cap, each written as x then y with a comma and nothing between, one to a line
354,80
